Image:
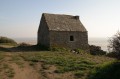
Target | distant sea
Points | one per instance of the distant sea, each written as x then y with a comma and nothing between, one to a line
102,42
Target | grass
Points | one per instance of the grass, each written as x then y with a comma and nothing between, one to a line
79,73
64,61
8,44
82,65
32,63
41,71
1,56
70,65
10,73
109,70
7,70
62,49
16,59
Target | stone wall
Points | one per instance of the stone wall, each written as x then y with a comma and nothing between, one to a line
43,33
62,39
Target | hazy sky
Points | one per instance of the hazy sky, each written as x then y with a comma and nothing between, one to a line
21,18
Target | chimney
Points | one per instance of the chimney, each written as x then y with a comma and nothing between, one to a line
76,17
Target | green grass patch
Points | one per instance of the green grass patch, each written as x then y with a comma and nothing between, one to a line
65,62
1,56
61,49
10,73
71,65
109,70
81,66
79,73
17,59
7,70
78,64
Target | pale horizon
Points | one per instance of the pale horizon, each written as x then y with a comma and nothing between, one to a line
21,18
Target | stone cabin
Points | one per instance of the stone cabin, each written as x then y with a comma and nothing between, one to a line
62,31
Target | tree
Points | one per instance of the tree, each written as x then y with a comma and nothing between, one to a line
114,45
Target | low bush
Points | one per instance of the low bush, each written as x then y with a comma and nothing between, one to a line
109,70
114,46
41,47
96,50
7,40
24,44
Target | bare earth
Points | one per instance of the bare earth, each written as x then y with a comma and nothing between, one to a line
23,70
13,65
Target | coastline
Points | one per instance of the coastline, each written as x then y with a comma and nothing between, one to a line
102,42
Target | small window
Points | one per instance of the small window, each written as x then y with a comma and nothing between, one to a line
71,38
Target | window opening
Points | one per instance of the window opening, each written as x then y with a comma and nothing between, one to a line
71,38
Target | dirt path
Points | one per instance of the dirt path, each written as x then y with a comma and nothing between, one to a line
25,72
20,69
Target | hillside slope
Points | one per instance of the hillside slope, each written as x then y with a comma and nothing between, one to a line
49,65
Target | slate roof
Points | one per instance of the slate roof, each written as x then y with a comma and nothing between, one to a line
61,22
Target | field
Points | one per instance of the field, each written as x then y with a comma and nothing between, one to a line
49,64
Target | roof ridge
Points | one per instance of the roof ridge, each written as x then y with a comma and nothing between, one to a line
59,22
59,14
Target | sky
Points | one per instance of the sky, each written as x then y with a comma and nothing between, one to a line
21,18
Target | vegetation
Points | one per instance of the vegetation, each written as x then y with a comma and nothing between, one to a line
58,49
109,70
7,70
1,56
114,46
41,47
8,41
23,44
96,50
17,60
59,62
64,61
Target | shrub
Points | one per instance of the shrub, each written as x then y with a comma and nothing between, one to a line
24,44
7,40
96,50
41,47
114,45
107,70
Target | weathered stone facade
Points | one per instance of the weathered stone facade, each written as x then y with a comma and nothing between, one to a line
51,35
62,39
43,33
